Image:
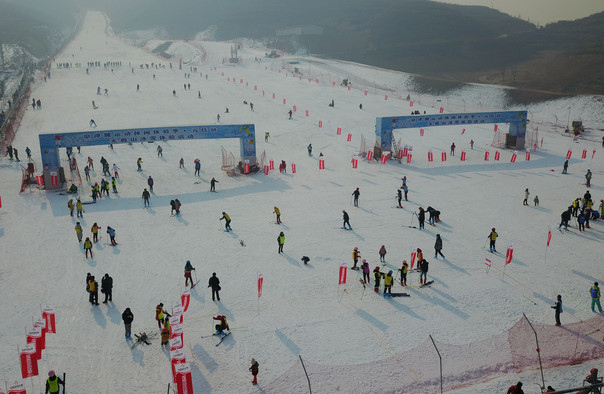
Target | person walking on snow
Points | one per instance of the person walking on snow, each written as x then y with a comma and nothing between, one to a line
406,190
111,233
212,183
356,254
88,247
377,277
227,221
79,208
107,287
115,171
188,269
388,281
254,371
214,283
114,184
278,213
453,149
356,194
404,269
95,232
146,196
87,172
536,200
52,383
281,241
78,230
565,169
181,164
150,183
382,253
309,148
399,197
438,246
423,265
93,289
197,167
365,269
139,164
70,206
160,314
346,219
516,389
160,151
588,178
558,307
421,217
526,196
492,239
128,318
595,297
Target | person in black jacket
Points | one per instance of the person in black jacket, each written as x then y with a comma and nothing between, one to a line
421,216
438,246
423,265
356,194
106,287
346,219
558,307
127,317
214,283
565,218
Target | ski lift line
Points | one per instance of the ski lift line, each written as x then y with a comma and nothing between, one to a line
417,374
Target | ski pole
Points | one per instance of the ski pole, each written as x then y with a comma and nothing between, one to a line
195,275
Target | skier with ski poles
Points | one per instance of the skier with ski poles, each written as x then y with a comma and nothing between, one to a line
382,253
223,325
492,239
356,254
421,217
346,219
365,268
53,382
278,213
377,277
227,221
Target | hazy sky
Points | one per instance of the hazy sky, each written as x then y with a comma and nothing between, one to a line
540,12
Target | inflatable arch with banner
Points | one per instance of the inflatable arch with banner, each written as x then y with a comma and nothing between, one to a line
514,139
51,143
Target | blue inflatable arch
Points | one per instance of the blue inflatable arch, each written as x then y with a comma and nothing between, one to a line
51,143
514,140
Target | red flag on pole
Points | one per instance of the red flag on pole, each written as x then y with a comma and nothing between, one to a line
569,154
29,361
177,356
184,381
549,237
349,137
17,388
430,156
413,254
266,169
495,127
355,162
400,153
35,336
271,164
584,154
443,156
342,276
509,254
246,167
260,281
409,156
486,155
339,131
421,132
463,131
463,155
593,154
385,156
488,262
293,168
411,103
527,156
497,155
175,343
514,155
321,164
48,313
320,123
369,155
185,297
442,110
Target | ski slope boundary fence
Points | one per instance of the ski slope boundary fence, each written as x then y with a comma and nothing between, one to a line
417,370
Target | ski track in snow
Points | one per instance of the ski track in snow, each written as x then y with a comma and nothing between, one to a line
301,311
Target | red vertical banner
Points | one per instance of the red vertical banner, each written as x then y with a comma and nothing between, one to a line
240,80
486,155
246,167
349,137
271,164
48,313
16,388
342,276
306,112
175,343
349,87
509,254
295,108
321,164
442,110
513,158
569,154
293,168
409,156
430,156
266,169
463,131
411,103
184,381
593,154
284,101
339,131
29,361
260,281
549,237
386,97
39,180
413,255
370,155
185,297
273,95
320,123
54,178
355,162
385,156
263,92
177,356
41,322
463,155
400,153
443,156
405,150
35,336
333,83
365,93
527,155
255,87
584,154
176,331
497,155
421,132
177,309
495,127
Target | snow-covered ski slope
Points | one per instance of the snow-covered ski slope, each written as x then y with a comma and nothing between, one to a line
302,311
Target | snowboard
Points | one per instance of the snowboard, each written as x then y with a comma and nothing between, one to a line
400,295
